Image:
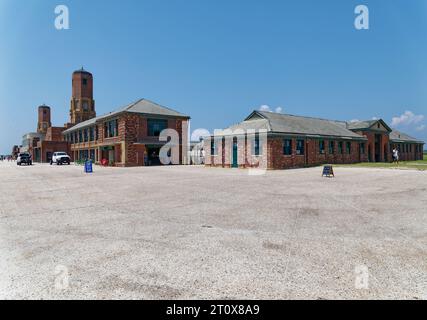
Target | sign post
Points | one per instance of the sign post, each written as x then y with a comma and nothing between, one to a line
328,171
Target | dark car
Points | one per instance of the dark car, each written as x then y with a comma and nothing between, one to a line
24,158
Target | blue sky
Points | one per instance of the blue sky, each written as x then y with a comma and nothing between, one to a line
217,60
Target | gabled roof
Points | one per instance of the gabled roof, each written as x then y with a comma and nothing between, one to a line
367,124
142,106
290,124
397,136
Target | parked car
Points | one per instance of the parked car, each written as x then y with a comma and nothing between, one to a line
60,158
24,158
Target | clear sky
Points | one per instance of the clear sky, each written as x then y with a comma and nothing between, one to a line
217,60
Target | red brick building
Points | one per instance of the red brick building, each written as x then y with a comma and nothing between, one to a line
277,141
48,139
128,136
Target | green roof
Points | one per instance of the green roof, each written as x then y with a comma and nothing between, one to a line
367,124
397,136
295,125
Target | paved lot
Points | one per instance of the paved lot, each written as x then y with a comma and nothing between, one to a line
194,232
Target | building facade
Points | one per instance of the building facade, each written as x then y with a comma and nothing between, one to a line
270,140
129,136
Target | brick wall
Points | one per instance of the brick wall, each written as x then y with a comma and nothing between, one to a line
408,151
273,156
54,134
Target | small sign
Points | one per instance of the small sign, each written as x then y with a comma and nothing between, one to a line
88,166
328,171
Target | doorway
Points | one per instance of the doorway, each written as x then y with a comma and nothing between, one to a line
385,153
153,153
235,153
377,148
369,153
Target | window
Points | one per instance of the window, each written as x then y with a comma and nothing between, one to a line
362,148
111,129
331,147
214,147
321,146
85,135
91,135
92,154
155,126
256,145
84,82
300,147
96,133
80,136
287,147
75,137
348,147
85,105
340,147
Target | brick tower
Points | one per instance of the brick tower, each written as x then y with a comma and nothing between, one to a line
82,103
44,119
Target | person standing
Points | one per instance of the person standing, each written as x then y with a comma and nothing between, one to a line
395,155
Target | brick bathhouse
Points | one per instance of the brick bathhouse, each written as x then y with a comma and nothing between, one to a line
128,136
123,137
294,141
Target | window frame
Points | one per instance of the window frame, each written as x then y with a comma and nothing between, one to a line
214,147
348,147
287,149
340,147
152,121
256,146
331,144
300,143
321,146
362,148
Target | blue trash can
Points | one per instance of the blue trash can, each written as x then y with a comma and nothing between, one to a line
88,166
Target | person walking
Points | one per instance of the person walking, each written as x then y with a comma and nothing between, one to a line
395,156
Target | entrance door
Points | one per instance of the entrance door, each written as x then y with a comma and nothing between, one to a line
306,153
377,148
153,156
235,162
385,153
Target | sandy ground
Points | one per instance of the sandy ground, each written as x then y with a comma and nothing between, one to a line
194,232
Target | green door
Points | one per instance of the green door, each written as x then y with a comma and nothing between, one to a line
235,164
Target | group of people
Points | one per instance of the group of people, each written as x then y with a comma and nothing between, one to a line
8,158
395,155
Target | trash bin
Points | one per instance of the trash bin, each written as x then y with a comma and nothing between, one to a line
88,166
